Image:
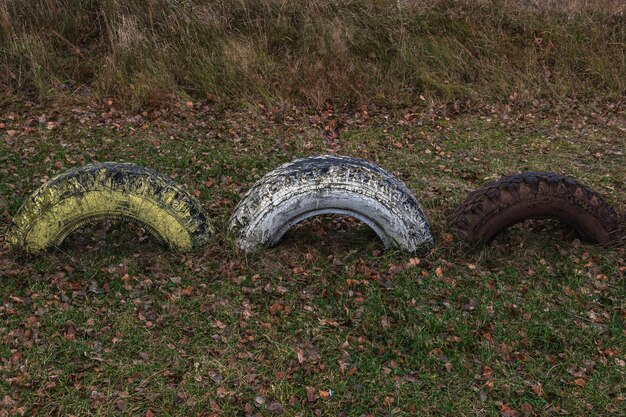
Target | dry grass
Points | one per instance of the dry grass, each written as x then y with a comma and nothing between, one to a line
345,52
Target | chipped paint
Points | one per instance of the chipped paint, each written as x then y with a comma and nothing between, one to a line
109,190
330,184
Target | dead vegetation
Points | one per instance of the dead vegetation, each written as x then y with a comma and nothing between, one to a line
343,52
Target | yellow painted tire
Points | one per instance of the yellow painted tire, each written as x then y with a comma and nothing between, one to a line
109,190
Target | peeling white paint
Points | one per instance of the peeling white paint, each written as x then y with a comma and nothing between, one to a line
330,184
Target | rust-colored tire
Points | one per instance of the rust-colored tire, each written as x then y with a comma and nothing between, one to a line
498,205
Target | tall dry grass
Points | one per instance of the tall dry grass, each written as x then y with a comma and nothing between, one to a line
344,51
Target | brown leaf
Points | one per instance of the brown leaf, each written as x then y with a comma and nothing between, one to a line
300,355
222,392
413,262
209,182
149,413
439,271
276,408
276,308
538,390
580,382
506,411
527,409
324,394
325,322
310,394
121,404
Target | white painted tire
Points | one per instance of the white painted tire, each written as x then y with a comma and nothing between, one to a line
330,184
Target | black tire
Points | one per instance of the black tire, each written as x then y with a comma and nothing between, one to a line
109,190
330,185
493,208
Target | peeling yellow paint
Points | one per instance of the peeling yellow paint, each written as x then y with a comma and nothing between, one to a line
64,217
109,190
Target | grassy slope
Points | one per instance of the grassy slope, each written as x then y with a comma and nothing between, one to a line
358,51
531,324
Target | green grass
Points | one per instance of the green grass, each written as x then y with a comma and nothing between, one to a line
533,323
142,53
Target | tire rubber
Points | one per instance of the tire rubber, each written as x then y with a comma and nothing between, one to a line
498,205
330,184
109,190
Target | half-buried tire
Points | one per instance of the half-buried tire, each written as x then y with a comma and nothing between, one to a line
109,190
330,185
498,205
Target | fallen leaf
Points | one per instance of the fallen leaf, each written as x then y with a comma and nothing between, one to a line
300,355
276,408
222,392
121,404
413,262
310,394
507,411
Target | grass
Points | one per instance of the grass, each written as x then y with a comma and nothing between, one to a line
114,324
144,53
